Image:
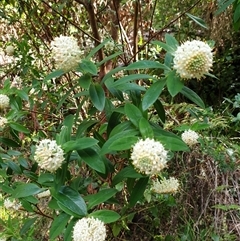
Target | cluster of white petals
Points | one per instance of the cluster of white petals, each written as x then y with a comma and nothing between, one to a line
190,137
66,52
149,156
109,47
9,204
44,194
3,122
193,59
10,50
170,185
3,239
89,229
49,155
4,101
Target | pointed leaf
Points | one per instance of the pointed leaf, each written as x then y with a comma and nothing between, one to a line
107,216
71,199
58,225
146,64
133,113
174,84
100,197
26,189
55,74
123,143
191,95
152,94
19,127
79,144
197,20
145,129
87,66
160,110
97,96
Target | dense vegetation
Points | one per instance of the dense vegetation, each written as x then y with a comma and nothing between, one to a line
122,115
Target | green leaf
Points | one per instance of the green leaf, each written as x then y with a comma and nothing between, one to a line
97,96
160,110
152,94
9,142
171,41
127,172
236,15
123,143
27,225
172,143
79,144
191,95
68,230
19,128
71,199
133,113
46,178
138,190
107,216
145,128
26,189
128,78
100,197
96,49
92,159
58,225
85,81
14,166
55,74
109,58
146,64
22,94
197,20
87,66
166,47
223,7
174,84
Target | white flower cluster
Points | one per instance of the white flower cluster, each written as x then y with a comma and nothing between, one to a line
2,239
190,137
193,59
89,229
3,122
10,50
49,155
109,47
170,185
66,52
4,101
149,156
9,204
44,194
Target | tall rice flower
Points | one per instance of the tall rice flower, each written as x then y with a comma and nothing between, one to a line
89,229
149,156
193,59
10,50
9,204
4,101
170,185
3,122
190,137
49,155
66,52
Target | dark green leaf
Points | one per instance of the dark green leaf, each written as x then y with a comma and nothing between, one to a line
19,127
171,41
58,225
174,84
13,166
223,7
160,110
85,81
197,20
97,96
138,190
27,225
54,74
146,64
127,172
92,159
107,216
9,142
191,95
133,113
123,143
100,197
152,94
79,144
27,189
145,128
71,199
68,230
87,66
